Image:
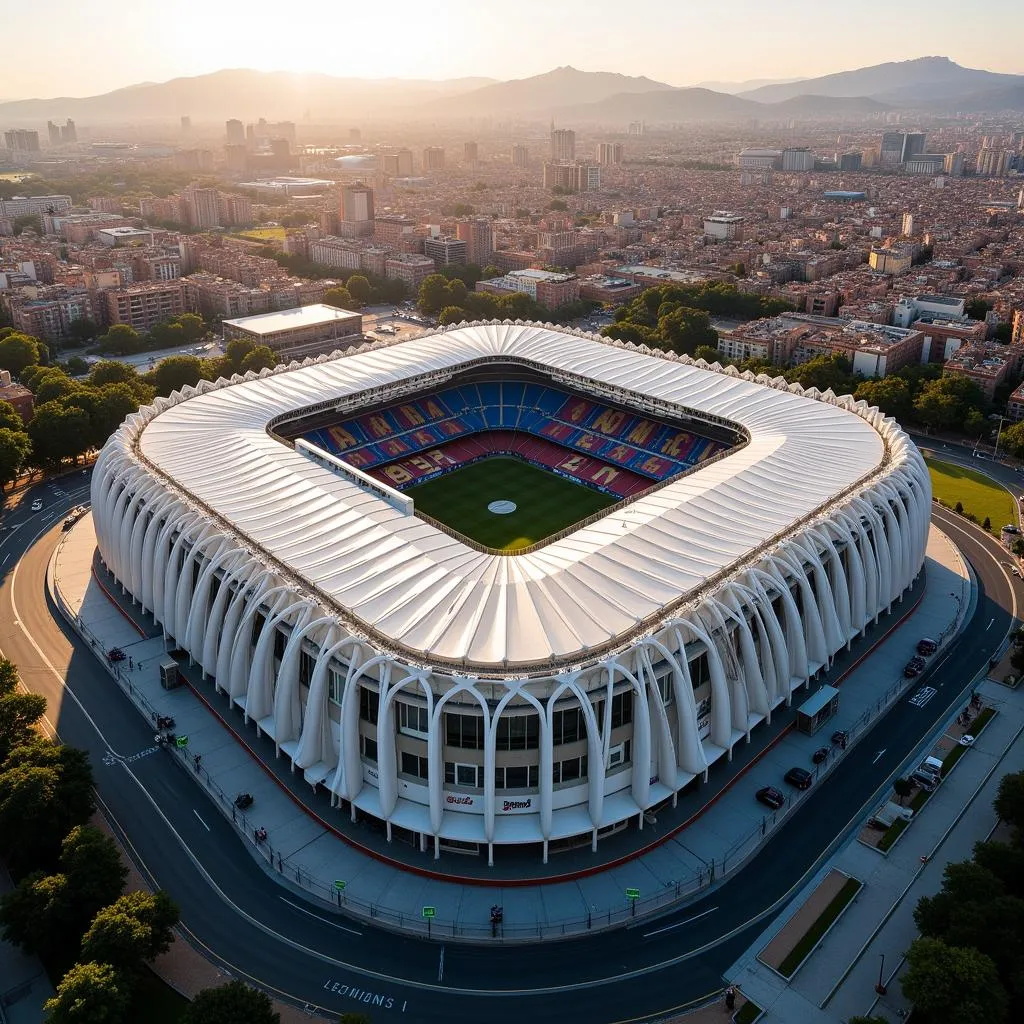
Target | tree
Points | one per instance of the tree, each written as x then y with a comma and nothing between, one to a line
451,315
709,354
15,449
132,931
192,326
986,523
977,309
175,373
338,296
902,788
433,294
1012,439
262,357
233,1003
48,914
360,289
1009,803
953,984
890,394
111,371
944,403
58,433
51,385
824,373
121,340
44,792
90,993
10,417
18,351
976,423
83,329
19,711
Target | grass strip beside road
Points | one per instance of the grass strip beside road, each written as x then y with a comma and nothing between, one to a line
813,935
747,1013
980,496
892,833
959,750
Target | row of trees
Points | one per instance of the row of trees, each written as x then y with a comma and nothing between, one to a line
73,416
968,964
381,289
124,340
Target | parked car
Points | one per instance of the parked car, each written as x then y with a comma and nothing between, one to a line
821,754
37,505
918,661
771,797
799,777
926,646
910,670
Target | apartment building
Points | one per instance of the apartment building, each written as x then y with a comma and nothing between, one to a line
143,305
988,364
445,251
478,235
409,267
546,287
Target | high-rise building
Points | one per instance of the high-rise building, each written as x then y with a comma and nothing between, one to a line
433,158
609,153
478,234
396,164
849,161
444,251
470,153
53,131
201,207
236,157
908,224
797,158
69,133
21,140
563,144
576,177
356,211
519,155
899,147
235,132
635,128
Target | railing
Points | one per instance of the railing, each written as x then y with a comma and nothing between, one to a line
407,919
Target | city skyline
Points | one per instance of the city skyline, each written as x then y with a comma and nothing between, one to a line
421,42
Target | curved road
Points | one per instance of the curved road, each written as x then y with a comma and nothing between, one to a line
240,917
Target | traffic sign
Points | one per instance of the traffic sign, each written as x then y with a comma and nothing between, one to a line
429,912
632,894
181,741
339,885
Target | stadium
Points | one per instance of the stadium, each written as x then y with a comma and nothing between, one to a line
507,584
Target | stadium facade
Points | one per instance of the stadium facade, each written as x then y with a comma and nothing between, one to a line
467,698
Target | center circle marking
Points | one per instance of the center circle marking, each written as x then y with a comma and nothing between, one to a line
502,508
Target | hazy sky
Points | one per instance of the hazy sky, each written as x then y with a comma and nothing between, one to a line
77,49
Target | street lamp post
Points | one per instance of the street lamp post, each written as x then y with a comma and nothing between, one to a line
880,987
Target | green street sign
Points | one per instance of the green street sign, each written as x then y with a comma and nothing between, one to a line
632,894
429,912
339,885
181,741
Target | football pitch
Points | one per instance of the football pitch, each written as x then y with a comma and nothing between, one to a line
544,502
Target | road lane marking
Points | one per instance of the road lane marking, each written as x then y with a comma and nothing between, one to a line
440,966
922,696
201,822
325,920
679,924
989,626
879,755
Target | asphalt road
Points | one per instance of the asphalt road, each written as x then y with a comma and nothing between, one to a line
241,917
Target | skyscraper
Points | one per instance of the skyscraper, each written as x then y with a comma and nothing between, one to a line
53,130
478,235
433,158
235,132
609,153
519,155
202,207
563,144
470,153
356,211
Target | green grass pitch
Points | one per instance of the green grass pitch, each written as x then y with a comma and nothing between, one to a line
545,502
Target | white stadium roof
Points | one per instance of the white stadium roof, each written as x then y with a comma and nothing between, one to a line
425,591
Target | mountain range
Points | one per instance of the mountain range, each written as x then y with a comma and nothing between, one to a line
934,84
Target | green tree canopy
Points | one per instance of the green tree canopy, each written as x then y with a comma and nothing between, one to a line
891,394
233,1003
20,350
121,340
53,384
1012,439
19,711
953,984
10,417
360,289
15,451
433,294
58,433
1009,803
451,315
132,931
174,373
82,330
90,993
338,296
262,357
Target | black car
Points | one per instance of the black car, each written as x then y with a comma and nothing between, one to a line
772,797
821,754
799,777
911,670
926,646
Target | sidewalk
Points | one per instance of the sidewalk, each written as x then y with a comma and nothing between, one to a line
838,980
317,844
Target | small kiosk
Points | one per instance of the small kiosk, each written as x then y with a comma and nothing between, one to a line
817,710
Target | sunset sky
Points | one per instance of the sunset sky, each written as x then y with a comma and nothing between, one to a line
73,49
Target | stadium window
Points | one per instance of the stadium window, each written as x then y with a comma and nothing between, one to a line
570,770
618,756
466,731
413,720
622,708
700,670
517,732
517,777
665,687
368,748
414,765
306,665
280,640
568,726
369,705
335,685
467,776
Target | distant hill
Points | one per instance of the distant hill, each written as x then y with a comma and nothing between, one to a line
664,105
561,89
734,88
827,106
991,101
903,83
241,93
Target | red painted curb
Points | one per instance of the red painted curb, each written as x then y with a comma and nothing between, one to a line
117,604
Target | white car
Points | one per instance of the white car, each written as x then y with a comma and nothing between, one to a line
37,505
